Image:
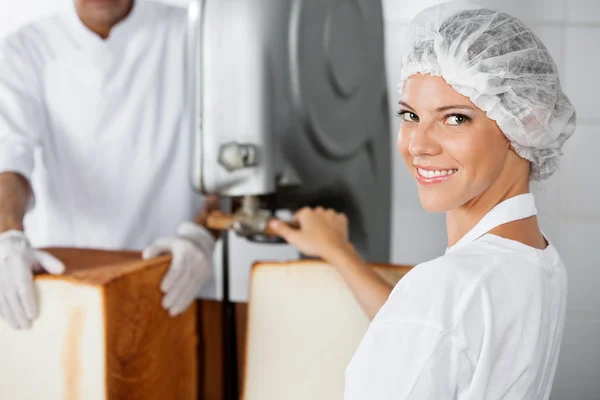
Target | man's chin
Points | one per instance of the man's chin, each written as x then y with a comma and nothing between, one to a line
102,17
101,3
101,12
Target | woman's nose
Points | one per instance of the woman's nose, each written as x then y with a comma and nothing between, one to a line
421,141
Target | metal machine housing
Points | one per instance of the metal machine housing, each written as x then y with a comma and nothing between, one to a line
289,102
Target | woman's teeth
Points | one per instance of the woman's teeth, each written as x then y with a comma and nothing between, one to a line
436,173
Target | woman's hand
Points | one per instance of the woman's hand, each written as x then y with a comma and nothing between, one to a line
322,232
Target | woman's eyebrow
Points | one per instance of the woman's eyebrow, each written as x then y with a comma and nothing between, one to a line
454,107
441,109
402,103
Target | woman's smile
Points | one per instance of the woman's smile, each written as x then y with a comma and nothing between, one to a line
428,176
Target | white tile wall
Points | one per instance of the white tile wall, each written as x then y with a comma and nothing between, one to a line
530,10
579,180
577,374
549,195
394,34
539,10
419,236
569,202
399,10
582,59
583,10
405,10
575,243
514,7
551,227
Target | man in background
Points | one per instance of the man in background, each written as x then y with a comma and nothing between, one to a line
94,148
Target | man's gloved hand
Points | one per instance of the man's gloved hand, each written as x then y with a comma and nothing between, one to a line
190,268
18,261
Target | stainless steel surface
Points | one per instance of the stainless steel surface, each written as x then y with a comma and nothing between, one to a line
234,156
302,83
251,221
193,110
233,100
247,225
250,204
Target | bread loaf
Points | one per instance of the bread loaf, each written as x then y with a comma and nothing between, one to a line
101,334
304,325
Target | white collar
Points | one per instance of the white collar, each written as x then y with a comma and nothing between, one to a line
118,34
513,209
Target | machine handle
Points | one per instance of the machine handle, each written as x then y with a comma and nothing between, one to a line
221,222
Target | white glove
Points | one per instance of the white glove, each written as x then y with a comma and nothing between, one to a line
191,266
18,261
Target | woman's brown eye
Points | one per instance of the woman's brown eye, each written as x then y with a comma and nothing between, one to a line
457,119
410,117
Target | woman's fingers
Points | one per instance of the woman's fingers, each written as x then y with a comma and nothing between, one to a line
306,215
284,230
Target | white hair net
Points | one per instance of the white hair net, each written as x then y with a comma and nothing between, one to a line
503,68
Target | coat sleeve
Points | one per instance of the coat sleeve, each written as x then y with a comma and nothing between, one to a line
22,115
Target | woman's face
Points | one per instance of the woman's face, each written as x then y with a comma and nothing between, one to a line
454,151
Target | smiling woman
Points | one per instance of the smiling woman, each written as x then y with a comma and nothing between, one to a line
482,114
444,137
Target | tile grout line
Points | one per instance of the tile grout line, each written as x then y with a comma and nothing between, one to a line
588,122
528,22
563,54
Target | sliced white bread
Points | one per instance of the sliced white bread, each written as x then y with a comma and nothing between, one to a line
304,325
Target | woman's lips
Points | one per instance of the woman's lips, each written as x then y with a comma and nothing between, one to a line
433,176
